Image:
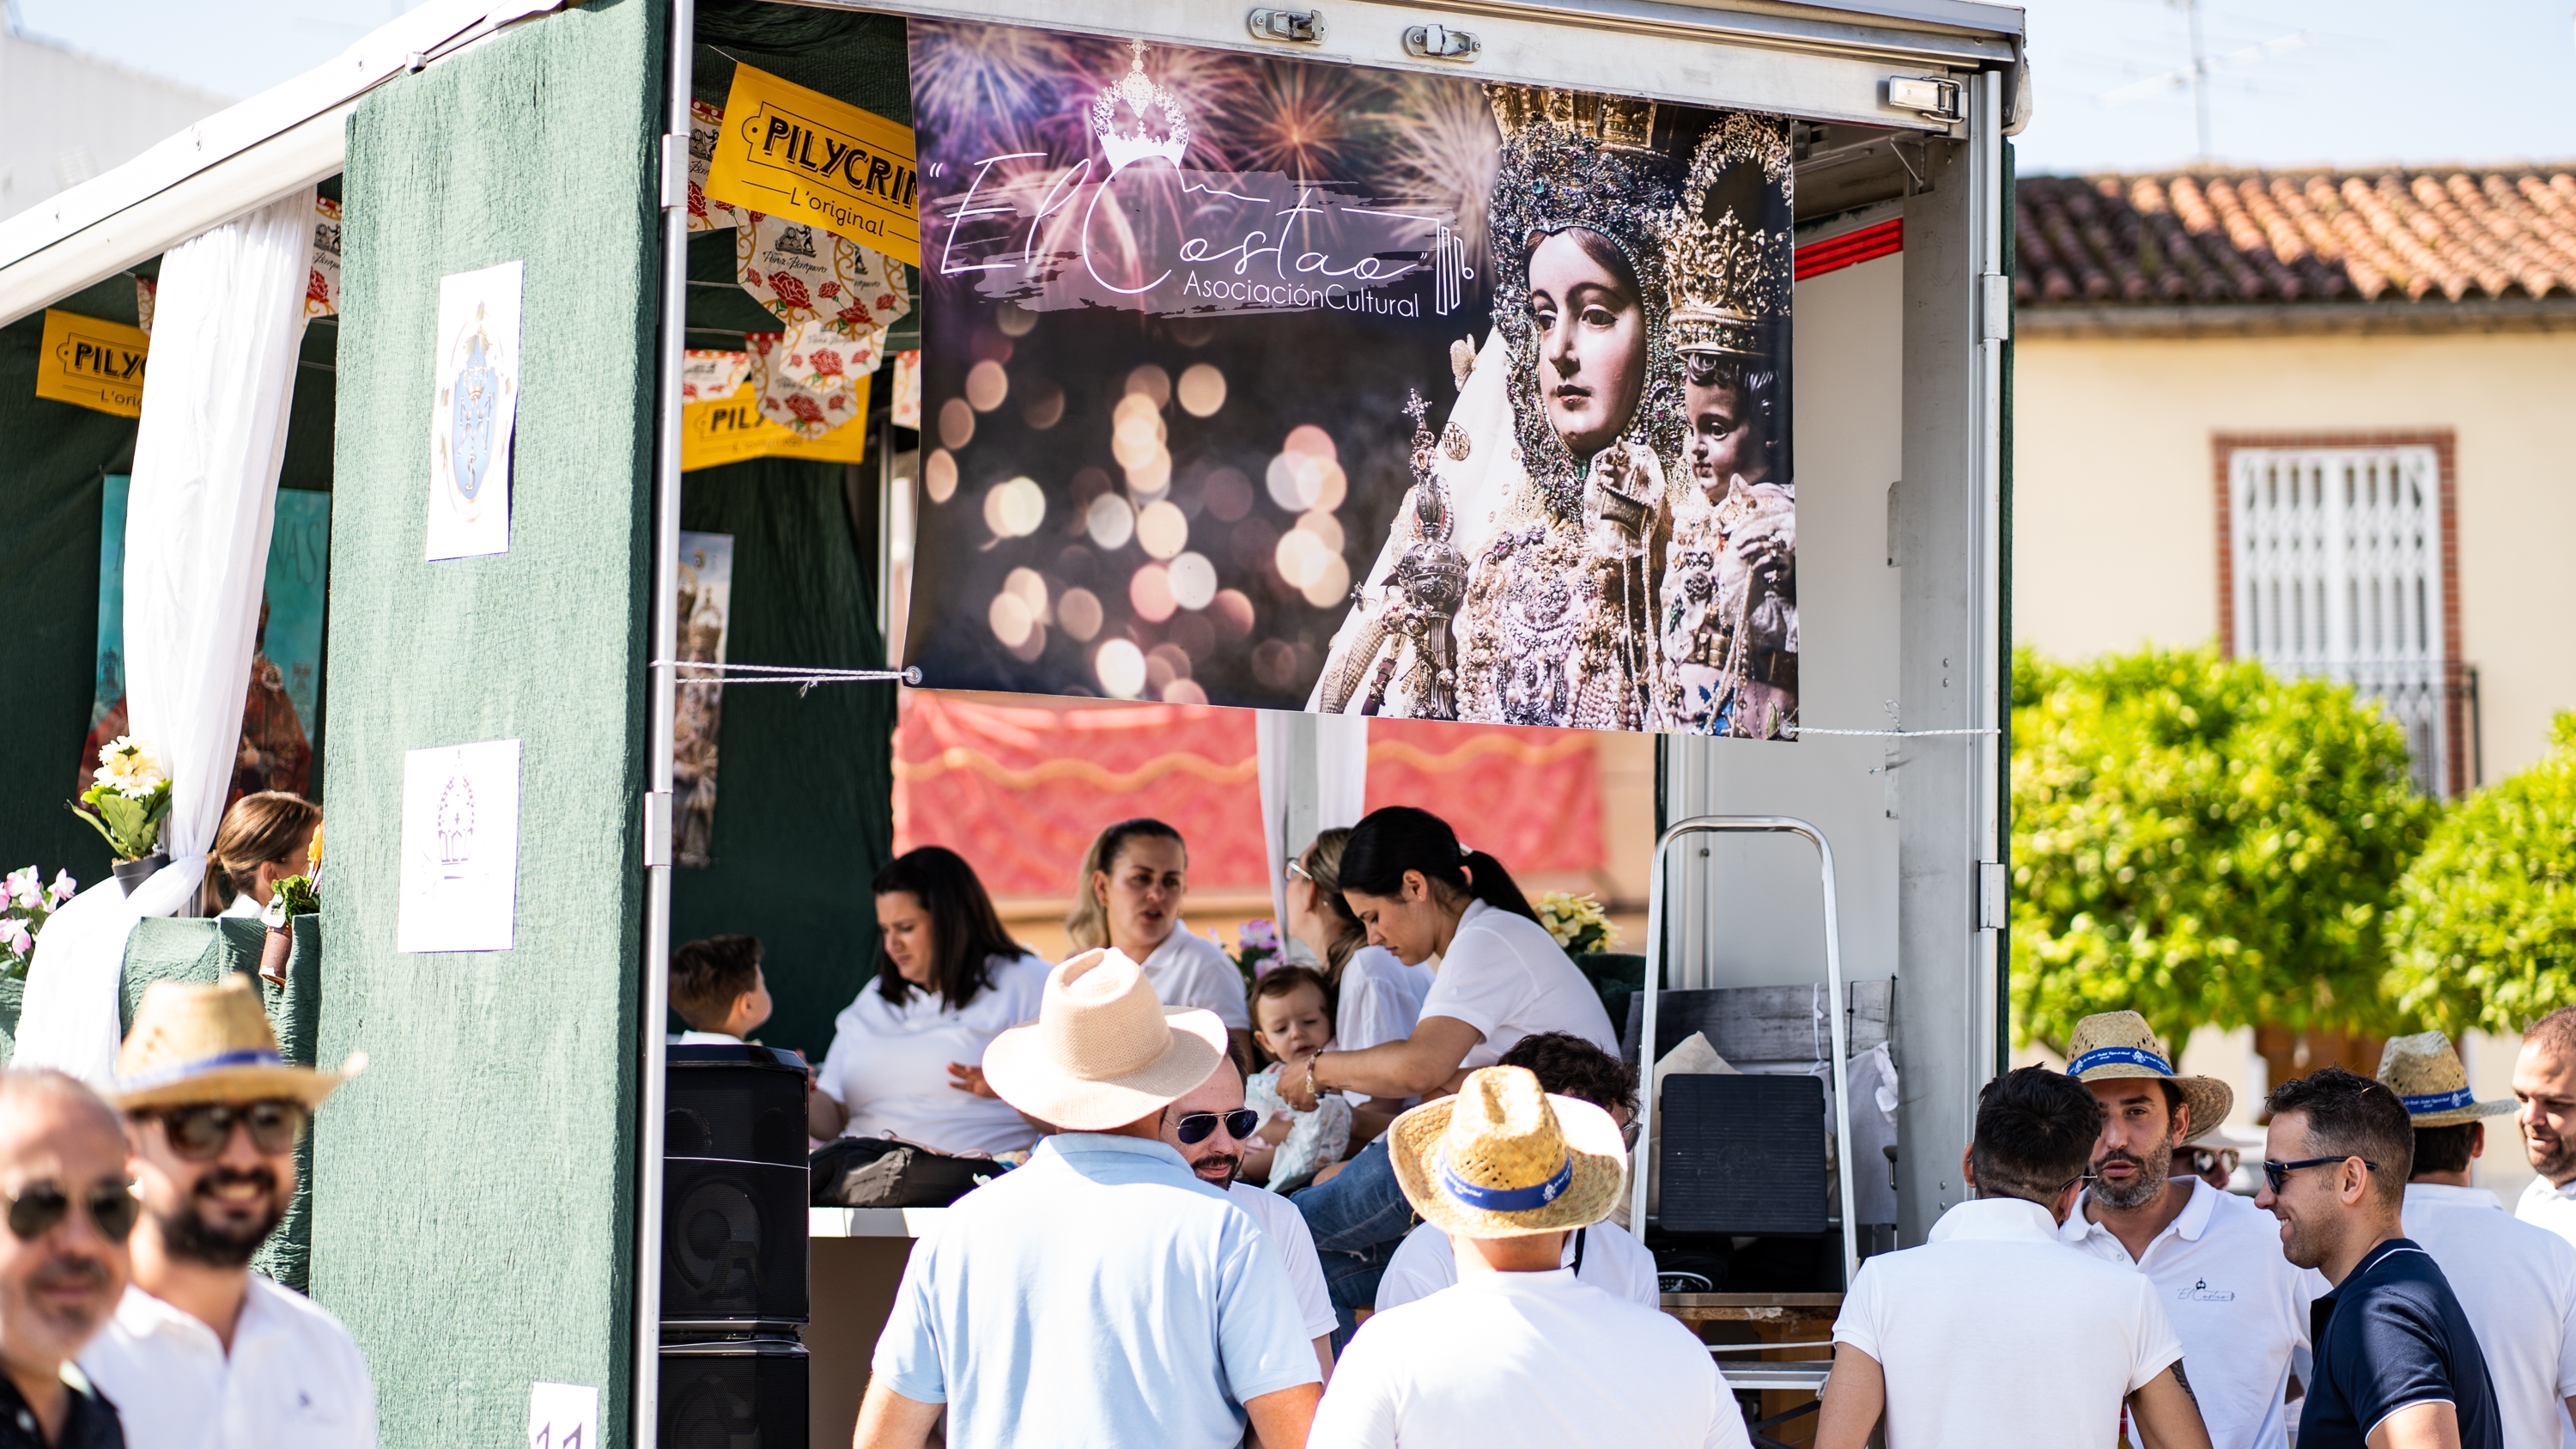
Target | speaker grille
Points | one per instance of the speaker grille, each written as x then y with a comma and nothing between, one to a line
733,1241
737,1395
1743,1155
746,1113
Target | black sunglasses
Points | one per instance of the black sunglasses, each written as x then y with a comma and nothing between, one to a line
1197,1127
198,1132
2278,1173
40,1206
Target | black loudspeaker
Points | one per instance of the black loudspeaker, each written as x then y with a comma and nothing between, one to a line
741,1103
740,1393
1742,1154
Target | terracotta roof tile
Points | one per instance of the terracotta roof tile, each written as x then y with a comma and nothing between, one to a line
2212,237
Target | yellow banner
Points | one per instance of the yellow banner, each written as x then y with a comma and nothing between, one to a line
93,364
730,429
800,154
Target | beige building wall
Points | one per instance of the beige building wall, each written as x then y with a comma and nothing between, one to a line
2115,513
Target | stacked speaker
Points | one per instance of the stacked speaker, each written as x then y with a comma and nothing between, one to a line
733,1249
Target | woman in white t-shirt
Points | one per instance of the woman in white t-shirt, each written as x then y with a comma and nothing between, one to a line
1420,894
1377,998
906,1057
1129,896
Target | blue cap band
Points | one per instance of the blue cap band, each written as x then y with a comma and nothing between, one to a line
255,1057
2439,1102
2118,1057
1507,1199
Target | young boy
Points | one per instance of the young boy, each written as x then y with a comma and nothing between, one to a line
717,989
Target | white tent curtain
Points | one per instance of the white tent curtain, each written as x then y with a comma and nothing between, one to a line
1340,786
226,332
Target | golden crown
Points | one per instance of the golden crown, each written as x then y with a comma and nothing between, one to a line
1726,273
1620,123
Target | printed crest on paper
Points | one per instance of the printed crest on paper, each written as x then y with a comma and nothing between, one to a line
806,274
806,377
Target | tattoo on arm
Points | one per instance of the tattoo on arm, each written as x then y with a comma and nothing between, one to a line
2184,1379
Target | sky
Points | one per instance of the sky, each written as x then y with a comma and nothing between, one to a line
2292,82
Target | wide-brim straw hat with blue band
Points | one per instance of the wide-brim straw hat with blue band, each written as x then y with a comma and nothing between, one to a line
1104,1050
2120,1044
194,1043
1503,1159
2425,1073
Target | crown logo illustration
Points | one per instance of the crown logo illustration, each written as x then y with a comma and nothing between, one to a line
1619,123
1146,105
1726,275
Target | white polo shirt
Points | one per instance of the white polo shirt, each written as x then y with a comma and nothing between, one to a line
2239,1307
1380,998
2517,1284
294,1379
1190,970
2545,1204
1995,1332
1526,1361
1613,1262
1505,976
1287,1227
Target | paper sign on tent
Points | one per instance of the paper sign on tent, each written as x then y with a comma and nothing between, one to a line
563,1416
473,411
787,151
460,849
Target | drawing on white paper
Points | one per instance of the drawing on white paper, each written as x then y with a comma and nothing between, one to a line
470,418
460,848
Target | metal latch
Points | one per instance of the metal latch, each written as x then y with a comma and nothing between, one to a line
1994,307
1439,42
657,829
675,171
1994,908
1933,96
1297,27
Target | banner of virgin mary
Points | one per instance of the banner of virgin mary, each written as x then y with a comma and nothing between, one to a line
1251,381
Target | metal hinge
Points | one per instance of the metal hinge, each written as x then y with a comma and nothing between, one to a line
675,171
1936,97
657,829
1994,307
1439,42
1297,27
1994,906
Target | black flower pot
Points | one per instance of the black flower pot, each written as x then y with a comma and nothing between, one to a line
132,873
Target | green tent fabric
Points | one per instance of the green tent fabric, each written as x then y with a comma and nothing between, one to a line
804,784
205,952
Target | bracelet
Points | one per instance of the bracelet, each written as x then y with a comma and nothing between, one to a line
1311,1089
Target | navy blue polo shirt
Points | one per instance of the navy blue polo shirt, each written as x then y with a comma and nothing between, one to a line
2390,1335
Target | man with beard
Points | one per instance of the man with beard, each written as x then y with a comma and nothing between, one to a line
2215,1260
203,1353
1209,1128
2544,1081
63,1260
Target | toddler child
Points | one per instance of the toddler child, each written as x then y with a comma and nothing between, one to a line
1292,1017
716,987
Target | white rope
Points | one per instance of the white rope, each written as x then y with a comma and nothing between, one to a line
1916,734
804,677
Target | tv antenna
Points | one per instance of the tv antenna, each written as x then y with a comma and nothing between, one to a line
2197,74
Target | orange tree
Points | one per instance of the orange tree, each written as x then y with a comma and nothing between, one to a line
2204,842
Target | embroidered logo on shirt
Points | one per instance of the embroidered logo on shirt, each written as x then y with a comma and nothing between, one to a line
2201,1292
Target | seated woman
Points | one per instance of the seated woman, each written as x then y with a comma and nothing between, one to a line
905,1055
1376,997
1501,977
264,838
1133,881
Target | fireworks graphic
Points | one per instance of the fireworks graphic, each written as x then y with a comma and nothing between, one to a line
1440,148
989,84
1303,122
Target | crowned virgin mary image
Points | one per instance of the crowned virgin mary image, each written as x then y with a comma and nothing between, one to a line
1564,468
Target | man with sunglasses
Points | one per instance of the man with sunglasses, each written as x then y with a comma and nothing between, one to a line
1209,1128
63,1262
2397,1364
202,1352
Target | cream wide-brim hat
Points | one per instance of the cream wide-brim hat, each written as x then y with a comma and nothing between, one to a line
2119,1044
2425,1072
1502,1134
194,1044
1104,1050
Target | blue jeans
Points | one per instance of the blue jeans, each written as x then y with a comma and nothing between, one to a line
1357,1219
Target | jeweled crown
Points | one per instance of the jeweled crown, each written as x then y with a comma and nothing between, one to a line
1621,123
1144,103
1727,274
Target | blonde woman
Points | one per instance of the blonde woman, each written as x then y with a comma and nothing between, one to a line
1134,879
1377,996
264,839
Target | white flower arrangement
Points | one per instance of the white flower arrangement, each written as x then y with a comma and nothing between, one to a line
1579,924
130,800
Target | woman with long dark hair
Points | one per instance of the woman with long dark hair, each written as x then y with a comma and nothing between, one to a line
1501,977
906,1055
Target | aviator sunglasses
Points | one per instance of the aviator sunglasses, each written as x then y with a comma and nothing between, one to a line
198,1132
2278,1173
40,1206
1197,1127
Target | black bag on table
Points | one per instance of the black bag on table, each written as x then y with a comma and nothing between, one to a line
882,1172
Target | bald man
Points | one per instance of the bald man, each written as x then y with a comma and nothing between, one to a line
62,1262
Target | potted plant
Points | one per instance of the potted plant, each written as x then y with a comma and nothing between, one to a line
296,895
1586,933
128,806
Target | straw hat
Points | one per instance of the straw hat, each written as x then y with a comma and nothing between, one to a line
193,1043
1103,1051
1503,1159
2119,1044
2425,1073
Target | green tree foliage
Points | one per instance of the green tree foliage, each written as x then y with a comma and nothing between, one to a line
2484,933
2203,842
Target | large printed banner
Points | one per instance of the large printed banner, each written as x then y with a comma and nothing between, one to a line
1258,382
